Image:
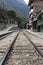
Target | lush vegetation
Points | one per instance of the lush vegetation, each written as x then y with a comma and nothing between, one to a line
21,9
21,22
10,17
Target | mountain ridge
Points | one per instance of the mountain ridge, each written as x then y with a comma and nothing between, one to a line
20,8
23,2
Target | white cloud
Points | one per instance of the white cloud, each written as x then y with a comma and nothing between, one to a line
26,1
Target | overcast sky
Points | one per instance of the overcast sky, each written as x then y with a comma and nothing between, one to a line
22,1
26,1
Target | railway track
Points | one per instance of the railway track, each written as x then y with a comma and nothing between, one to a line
6,44
4,35
23,53
37,42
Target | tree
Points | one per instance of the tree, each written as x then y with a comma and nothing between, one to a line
12,15
18,19
23,23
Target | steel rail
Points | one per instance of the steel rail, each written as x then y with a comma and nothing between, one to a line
8,33
34,34
5,33
34,45
4,36
8,49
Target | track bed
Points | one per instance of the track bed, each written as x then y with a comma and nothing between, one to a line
23,53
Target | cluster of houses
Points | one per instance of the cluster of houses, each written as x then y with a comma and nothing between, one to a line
36,15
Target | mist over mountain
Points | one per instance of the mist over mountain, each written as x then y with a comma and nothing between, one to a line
19,6
22,1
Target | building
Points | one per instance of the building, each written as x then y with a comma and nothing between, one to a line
40,21
36,7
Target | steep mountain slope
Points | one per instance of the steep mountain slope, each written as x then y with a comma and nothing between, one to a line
21,9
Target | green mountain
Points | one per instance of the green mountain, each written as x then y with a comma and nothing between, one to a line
21,9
